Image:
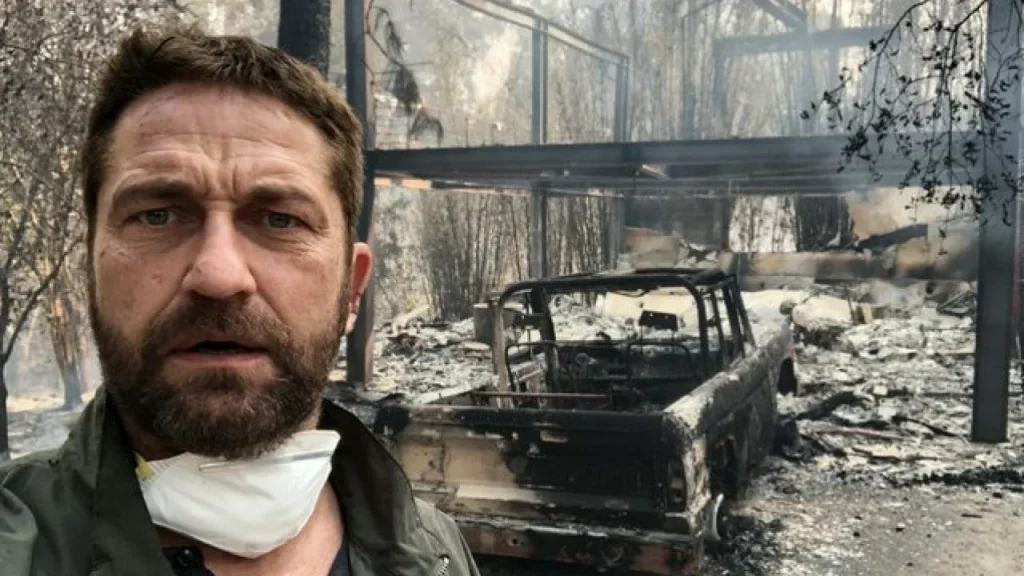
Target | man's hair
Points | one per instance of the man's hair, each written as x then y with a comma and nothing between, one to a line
147,61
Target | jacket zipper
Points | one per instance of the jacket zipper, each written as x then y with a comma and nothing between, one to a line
442,570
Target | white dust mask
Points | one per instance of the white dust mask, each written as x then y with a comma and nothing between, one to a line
243,507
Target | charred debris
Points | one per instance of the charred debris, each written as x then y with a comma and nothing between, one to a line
885,372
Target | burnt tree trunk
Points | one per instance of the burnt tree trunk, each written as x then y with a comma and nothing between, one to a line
64,338
5,439
304,31
822,223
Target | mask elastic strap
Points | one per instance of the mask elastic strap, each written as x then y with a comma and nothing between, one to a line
145,470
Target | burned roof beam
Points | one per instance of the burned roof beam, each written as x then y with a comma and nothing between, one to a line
745,172
785,12
550,160
797,41
812,185
534,158
530,20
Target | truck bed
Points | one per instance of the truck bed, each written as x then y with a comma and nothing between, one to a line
628,489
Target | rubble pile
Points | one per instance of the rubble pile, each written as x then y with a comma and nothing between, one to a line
890,400
576,320
424,357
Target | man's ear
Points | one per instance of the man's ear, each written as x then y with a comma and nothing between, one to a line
360,272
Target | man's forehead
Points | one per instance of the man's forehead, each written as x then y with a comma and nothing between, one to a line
202,112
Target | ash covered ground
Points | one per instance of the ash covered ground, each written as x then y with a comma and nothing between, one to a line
878,476
874,473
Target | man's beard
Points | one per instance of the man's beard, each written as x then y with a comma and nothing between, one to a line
218,413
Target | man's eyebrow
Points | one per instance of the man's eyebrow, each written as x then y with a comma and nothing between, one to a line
150,190
277,193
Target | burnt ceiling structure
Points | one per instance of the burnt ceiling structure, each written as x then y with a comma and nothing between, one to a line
783,166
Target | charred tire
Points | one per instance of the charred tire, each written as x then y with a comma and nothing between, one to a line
713,523
787,378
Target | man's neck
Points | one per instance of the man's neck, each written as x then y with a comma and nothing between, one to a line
311,553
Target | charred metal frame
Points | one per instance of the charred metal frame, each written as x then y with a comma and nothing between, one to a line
739,166
640,280
702,285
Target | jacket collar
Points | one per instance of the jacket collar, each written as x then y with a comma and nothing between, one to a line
381,517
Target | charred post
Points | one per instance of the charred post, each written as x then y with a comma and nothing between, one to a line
998,229
359,352
539,135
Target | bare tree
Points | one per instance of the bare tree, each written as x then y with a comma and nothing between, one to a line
49,54
462,237
922,95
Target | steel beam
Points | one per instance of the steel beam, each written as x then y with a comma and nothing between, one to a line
528,161
621,117
537,263
359,344
539,57
528,19
615,218
998,230
304,31
709,187
618,207
796,42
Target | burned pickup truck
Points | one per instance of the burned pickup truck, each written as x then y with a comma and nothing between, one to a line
613,448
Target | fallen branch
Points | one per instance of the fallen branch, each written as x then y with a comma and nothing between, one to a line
822,445
829,405
901,418
863,432
942,395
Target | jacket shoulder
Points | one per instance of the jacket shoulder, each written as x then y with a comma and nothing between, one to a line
23,476
19,528
38,511
442,527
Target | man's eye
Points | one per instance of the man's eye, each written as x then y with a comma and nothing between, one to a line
282,221
160,217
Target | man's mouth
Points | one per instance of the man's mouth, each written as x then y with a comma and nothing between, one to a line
220,348
217,346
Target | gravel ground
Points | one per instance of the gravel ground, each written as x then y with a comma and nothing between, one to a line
795,523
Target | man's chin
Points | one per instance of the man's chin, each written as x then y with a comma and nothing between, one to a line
227,425
224,415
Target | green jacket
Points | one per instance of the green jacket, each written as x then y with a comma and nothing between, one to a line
78,510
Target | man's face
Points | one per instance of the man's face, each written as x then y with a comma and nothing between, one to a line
221,284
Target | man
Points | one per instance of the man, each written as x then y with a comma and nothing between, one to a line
222,180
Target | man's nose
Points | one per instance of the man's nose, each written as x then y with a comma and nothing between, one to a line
220,269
